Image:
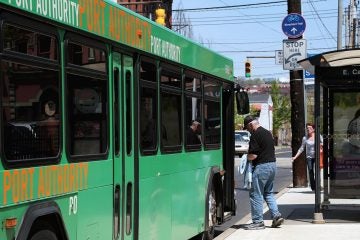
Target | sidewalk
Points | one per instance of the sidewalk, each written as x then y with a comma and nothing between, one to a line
342,219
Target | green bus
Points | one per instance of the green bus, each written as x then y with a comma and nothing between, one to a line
96,102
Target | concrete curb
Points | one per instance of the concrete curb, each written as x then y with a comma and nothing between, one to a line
247,218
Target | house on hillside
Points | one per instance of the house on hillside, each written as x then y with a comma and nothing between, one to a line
262,102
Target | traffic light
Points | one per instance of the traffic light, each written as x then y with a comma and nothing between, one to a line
160,16
247,69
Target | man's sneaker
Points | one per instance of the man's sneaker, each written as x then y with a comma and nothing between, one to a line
255,226
277,221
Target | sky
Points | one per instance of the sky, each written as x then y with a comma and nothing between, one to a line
255,30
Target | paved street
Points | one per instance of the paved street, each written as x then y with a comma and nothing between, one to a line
283,179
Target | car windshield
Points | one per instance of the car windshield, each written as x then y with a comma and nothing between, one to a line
244,135
239,138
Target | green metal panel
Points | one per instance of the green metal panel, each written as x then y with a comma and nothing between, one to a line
94,214
172,163
118,159
168,183
119,24
19,210
172,206
128,157
21,187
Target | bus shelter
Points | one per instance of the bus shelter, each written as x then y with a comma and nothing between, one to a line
337,119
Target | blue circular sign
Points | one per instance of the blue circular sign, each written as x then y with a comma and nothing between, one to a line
293,25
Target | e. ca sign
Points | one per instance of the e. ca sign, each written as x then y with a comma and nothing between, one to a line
294,51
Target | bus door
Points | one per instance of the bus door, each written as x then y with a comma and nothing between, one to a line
123,146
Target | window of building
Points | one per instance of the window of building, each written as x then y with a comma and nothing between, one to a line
21,40
86,56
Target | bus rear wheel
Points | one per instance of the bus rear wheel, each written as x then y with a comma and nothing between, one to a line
44,235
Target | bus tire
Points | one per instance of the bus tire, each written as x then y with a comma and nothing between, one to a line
211,213
44,235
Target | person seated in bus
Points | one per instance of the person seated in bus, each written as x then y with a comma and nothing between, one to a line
193,133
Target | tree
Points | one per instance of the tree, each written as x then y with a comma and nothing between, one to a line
182,24
281,107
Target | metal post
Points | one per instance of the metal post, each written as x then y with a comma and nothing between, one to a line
318,216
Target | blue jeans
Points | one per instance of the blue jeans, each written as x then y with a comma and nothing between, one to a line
310,165
262,189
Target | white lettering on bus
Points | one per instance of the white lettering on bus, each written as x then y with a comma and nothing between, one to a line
62,10
155,45
165,49
25,4
73,205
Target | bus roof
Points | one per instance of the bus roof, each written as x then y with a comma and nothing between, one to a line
117,23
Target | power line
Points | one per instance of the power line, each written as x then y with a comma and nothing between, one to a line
268,19
241,21
232,7
225,22
258,22
311,3
270,42
227,7
262,51
278,15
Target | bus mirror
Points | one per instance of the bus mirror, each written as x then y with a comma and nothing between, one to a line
242,102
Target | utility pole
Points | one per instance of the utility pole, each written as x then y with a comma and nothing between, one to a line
339,26
352,23
297,112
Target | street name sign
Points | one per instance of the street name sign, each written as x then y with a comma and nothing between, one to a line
293,25
279,57
307,75
294,51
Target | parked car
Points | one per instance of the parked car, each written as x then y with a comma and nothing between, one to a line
245,134
242,139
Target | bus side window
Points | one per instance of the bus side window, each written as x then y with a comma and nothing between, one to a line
87,93
30,112
193,111
171,108
148,108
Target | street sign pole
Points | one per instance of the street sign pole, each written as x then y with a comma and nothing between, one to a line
297,101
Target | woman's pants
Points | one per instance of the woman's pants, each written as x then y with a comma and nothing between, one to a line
310,166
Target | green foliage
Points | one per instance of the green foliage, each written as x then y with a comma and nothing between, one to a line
281,107
239,119
248,82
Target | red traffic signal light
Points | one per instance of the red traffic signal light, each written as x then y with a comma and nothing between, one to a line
247,69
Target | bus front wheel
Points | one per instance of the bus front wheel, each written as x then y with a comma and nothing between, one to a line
44,235
209,232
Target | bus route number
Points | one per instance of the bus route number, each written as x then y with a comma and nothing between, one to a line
73,205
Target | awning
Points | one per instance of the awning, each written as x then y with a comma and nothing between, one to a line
337,58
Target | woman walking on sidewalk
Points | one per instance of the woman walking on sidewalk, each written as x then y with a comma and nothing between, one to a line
262,155
308,144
